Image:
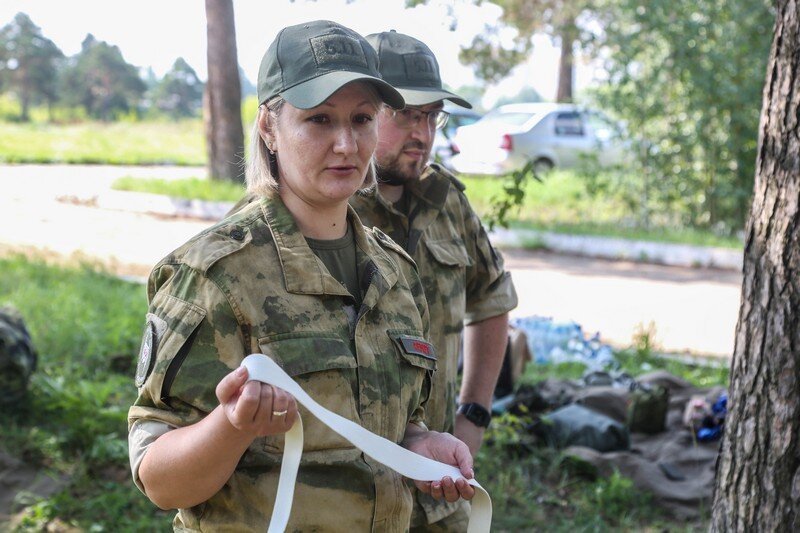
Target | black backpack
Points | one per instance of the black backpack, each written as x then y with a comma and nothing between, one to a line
17,356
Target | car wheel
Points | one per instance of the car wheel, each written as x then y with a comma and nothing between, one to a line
542,166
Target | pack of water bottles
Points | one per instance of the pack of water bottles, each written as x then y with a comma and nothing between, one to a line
551,341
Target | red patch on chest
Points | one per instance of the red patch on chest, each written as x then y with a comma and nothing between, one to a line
422,347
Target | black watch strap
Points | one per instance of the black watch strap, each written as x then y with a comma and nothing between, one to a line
476,413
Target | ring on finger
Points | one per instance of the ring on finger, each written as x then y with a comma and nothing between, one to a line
279,413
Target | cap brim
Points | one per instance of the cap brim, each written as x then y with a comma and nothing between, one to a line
428,96
315,91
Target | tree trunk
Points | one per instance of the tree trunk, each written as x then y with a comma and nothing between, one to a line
26,105
223,113
25,96
568,35
758,474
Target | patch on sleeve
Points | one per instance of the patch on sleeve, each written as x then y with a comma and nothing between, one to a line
153,330
417,347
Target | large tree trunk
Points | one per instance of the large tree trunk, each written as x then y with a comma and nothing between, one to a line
758,475
568,35
223,112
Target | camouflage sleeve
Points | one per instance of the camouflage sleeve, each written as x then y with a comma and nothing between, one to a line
490,291
418,292
192,339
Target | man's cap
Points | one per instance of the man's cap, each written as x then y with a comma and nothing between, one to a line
409,65
307,63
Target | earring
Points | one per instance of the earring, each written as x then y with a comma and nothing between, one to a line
272,159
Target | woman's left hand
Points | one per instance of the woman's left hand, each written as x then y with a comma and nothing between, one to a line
447,449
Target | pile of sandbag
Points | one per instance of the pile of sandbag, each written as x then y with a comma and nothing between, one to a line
658,430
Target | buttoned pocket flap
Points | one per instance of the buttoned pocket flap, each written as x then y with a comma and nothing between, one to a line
323,366
449,252
304,353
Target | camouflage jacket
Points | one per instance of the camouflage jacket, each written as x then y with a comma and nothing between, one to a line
461,272
252,284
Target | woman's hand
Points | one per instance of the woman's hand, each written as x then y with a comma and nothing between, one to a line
447,449
254,407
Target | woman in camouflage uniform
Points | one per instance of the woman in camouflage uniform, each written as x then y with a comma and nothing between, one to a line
295,276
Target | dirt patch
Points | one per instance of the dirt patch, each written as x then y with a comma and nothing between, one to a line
20,483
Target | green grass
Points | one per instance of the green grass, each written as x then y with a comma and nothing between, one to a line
115,143
635,362
73,138
190,188
86,326
563,203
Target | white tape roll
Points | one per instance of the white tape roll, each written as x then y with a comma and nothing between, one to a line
407,463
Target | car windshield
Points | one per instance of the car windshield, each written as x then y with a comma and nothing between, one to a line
500,117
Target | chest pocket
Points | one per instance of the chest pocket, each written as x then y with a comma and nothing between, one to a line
449,253
417,362
323,365
445,284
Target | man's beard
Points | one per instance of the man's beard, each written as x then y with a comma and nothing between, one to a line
393,173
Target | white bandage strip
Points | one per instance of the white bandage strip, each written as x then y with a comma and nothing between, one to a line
399,459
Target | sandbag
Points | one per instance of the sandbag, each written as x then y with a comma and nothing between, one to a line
609,401
17,356
576,425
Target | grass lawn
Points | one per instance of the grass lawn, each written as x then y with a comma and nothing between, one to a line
562,204
113,143
191,188
87,325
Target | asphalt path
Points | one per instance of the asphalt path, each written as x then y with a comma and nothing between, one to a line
692,310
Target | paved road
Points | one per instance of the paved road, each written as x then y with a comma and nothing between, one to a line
692,309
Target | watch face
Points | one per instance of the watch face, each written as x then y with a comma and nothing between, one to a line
476,413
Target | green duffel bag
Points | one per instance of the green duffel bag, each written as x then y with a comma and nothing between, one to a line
647,409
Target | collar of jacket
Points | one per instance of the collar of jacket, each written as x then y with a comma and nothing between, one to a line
430,189
304,273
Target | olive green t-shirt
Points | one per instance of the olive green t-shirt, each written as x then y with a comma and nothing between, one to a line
339,257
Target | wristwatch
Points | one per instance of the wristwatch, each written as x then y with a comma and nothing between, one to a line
475,413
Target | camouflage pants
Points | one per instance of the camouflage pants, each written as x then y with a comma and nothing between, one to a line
456,522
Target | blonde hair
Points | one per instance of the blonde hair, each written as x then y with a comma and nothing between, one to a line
261,174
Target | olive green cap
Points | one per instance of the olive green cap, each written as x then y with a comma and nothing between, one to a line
307,63
410,66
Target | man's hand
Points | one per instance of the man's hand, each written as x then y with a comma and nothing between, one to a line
447,449
255,407
468,433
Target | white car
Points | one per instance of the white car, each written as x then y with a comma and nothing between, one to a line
550,135
442,150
